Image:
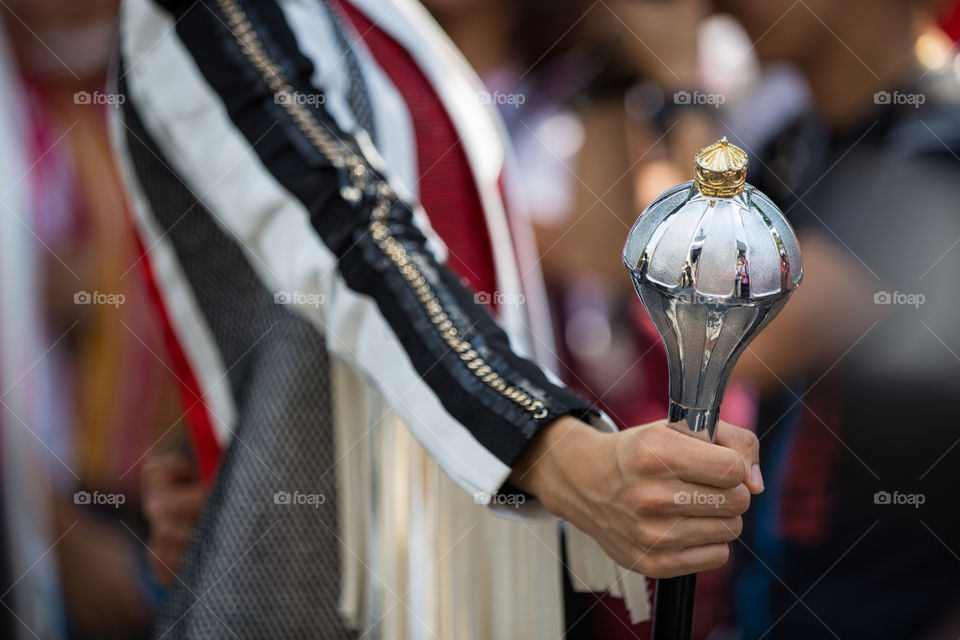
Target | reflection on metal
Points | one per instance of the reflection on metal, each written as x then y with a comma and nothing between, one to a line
712,271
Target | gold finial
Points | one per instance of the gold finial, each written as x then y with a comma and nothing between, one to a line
720,169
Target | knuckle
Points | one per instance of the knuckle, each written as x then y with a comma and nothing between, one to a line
734,528
652,565
653,500
723,555
153,509
718,556
646,536
648,458
739,500
736,472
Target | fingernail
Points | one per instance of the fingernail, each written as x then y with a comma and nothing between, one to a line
756,476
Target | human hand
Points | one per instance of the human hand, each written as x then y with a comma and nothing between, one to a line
657,501
173,495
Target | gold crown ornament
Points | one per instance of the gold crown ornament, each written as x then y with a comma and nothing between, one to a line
720,170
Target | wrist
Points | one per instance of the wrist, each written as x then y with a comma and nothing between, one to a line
546,465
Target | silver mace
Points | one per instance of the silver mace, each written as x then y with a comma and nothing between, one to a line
713,261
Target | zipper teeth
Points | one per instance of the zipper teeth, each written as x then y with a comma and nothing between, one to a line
341,156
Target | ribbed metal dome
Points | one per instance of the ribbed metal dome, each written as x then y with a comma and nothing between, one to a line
740,247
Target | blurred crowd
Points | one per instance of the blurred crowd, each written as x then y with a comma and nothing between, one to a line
850,112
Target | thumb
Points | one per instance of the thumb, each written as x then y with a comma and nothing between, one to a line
746,445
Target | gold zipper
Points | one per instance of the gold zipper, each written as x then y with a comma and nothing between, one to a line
342,156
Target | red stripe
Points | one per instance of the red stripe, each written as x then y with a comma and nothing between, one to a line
448,190
806,498
196,413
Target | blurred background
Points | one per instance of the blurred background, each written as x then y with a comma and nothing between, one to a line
850,112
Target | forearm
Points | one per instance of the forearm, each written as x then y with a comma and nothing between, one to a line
390,308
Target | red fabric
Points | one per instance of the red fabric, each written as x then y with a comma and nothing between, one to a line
204,439
805,503
448,191
951,23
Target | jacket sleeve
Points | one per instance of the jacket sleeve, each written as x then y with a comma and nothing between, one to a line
213,82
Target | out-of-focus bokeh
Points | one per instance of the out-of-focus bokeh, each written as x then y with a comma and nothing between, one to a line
850,112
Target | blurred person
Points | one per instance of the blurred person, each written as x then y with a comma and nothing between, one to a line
858,537
265,260
30,600
109,389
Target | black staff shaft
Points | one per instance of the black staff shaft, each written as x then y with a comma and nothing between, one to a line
673,608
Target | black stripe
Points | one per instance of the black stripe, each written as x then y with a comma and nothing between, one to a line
501,425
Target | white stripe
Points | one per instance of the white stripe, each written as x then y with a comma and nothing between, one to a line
190,125
483,138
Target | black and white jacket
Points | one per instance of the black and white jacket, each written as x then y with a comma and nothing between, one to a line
263,266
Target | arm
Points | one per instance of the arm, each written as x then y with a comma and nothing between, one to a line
391,309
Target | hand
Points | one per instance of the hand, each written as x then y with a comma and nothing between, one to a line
657,501
173,495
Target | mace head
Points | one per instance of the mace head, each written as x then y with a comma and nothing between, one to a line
713,261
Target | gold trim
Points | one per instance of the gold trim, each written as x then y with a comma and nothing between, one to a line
342,156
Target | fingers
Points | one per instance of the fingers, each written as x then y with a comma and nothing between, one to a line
173,496
678,498
167,545
746,445
676,534
659,448
669,564
181,503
